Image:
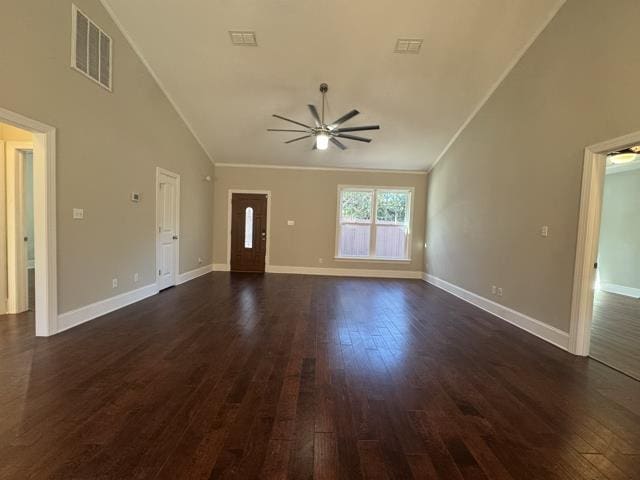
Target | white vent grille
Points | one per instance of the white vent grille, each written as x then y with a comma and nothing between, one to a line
243,38
91,49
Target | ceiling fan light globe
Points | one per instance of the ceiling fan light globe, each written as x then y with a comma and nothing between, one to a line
622,158
322,141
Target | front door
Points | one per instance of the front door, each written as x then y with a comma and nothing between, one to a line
168,224
248,232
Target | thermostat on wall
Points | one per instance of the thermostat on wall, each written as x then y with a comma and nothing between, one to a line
135,197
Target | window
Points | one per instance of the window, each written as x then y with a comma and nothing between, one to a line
374,223
248,227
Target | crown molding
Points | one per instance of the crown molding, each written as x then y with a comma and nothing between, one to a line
327,169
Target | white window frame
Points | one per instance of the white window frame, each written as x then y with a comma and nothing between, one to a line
372,236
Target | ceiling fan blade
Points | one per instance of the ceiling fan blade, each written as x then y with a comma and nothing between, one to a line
314,114
292,121
353,137
338,143
357,129
284,130
296,139
344,118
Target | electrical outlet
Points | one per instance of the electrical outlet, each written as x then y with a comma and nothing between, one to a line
78,213
499,291
320,260
199,260
114,283
136,277
544,230
291,223
494,289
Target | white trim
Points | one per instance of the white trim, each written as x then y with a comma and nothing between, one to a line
89,312
371,259
176,262
345,272
221,267
593,173
195,273
17,279
541,330
138,52
498,82
620,290
44,191
230,193
324,169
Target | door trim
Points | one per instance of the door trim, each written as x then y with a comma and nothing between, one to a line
17,276
593,174
268,247
44,202
176,260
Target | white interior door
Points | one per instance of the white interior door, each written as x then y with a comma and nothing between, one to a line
17,273
168,221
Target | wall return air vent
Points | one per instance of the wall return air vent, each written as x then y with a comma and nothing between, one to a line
91,49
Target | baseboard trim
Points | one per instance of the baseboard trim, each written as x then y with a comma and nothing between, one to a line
192,274
620,290
344,272
221,267
535,327
81,315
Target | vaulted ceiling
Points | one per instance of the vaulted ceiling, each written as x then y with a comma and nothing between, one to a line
227,94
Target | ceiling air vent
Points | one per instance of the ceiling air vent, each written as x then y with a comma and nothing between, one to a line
243,38
91,49
408,45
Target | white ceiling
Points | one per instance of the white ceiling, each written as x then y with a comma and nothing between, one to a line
228,93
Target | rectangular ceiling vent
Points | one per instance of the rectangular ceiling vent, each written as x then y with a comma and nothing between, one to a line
243,38
408,45
91,49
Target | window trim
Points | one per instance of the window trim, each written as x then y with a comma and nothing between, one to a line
372,239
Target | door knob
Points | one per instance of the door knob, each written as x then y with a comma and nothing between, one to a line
175,237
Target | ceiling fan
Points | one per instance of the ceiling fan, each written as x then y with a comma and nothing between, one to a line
324,133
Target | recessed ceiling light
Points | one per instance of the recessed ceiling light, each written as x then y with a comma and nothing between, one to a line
408,45
243,38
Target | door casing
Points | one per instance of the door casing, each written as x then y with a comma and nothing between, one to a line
176,263
593,174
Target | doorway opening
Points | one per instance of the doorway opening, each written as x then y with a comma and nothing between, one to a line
17,257
606,298
615,329
248,242
28,222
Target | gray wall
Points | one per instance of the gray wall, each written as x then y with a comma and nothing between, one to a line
108,145
619,249
310,198
518,164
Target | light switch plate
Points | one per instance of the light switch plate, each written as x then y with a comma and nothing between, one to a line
291,222
78,213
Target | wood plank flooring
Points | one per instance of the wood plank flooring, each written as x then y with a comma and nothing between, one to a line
299,377
615,332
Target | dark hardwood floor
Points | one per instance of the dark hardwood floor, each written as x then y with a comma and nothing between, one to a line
615,332
280,376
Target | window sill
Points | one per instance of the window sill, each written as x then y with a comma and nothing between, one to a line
372,259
